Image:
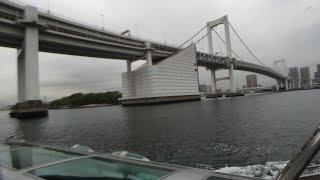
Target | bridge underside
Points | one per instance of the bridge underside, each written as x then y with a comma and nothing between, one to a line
51,42
216,63
240,68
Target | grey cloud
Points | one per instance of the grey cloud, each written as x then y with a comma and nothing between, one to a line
81,72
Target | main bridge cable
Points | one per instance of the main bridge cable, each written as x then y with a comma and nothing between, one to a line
220,37
201,38
198,32
223,42
233,29
226,44
204,36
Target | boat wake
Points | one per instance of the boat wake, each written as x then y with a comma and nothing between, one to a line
268,171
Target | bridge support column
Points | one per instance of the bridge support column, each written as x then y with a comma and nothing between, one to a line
277,86
290,84
210,43
286,84
149,54
299,83
280,84
28,59
227,35
229,52
128,66
224,20
213,81
231,78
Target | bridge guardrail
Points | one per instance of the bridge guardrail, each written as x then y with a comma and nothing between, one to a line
158,44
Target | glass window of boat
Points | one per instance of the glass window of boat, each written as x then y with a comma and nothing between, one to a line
31,156
99,168
4,147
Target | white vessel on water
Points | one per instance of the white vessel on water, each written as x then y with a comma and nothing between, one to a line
20,160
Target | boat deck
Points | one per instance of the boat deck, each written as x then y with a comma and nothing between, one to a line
44,162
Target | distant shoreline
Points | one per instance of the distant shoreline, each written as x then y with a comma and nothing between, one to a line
84,106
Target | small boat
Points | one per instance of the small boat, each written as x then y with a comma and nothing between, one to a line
234,94
21,160
214,95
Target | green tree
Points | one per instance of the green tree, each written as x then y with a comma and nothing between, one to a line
80,99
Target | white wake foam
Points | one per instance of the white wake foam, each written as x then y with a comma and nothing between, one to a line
269,170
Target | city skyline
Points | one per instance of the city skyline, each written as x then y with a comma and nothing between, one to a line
314,69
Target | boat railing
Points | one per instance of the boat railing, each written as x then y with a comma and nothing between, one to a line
299,163
205,167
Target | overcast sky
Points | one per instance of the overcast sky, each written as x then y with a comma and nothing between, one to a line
273,29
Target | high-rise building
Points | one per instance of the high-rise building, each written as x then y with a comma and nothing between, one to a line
205,88
251,80
305,75
317,73
294,75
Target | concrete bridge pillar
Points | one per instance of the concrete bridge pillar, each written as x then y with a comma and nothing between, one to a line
280,84
231,78
286,85
149,54
224,20
277,86
229,52
129,66
213,81
28,58
299,83
289,84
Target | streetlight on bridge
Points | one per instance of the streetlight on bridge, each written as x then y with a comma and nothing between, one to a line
102,19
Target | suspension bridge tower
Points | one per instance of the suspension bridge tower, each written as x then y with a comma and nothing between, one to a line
210,25
281,67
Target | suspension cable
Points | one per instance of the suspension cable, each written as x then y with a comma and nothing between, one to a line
202,38
233,29
226,44
192,36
